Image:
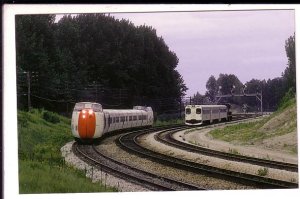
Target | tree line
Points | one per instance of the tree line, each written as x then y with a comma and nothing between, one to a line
272,90
93,57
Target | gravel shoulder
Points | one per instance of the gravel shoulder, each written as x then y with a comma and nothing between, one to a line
148,141
268,149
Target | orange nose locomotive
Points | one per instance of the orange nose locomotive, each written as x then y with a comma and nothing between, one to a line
90,121
86,123
86,120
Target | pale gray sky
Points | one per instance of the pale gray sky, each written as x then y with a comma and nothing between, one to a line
249,44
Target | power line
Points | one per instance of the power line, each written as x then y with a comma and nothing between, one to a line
53,100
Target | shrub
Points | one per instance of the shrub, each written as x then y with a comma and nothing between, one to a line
233,151
287,100
50,117
22,121
263,172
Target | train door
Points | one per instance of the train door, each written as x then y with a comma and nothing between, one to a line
106,122
211,115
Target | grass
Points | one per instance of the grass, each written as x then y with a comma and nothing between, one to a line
263,171
37,177
234,151
248,133
168,122
194,142
41,134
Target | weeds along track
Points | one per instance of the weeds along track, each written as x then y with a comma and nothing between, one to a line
93,156
167,138
129,142
240,116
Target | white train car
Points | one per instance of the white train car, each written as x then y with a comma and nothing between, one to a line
90,121
199,114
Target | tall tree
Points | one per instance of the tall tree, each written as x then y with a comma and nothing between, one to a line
95,57
289,74
229,83
36,54
212,88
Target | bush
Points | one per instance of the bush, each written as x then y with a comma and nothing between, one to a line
287,100
50,117
263,172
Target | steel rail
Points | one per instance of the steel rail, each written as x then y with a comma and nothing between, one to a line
167,138
151,181
129,142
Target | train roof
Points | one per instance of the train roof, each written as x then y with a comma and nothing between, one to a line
123,111
207,106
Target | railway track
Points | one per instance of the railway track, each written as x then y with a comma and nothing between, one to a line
168,139
129,142
90,154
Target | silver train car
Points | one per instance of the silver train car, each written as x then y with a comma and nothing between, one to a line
199,114
90,121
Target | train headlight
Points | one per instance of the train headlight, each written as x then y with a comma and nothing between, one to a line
83,111
83,116
90,111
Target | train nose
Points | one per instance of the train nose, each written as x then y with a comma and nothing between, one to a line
86,123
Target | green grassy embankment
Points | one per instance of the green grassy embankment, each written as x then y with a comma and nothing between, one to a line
281,126
168,122
41,134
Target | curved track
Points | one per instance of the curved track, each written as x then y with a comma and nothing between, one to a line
168,139
151,181
129,142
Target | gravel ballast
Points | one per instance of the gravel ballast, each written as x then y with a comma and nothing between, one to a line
98,176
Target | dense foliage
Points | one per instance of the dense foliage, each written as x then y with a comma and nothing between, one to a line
94,57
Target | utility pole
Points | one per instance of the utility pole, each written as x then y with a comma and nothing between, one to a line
258,96
261,101
28,91
180,108
96,93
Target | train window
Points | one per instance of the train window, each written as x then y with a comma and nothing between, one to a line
96,107
134,118
139,108
206,111
188,111
130,118
122,118
140,117
79,106
198,110
148,109
117,119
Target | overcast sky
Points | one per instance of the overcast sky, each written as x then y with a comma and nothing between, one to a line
249,44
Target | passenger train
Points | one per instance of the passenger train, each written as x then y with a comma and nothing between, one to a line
199,114
90,121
